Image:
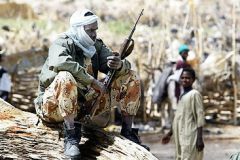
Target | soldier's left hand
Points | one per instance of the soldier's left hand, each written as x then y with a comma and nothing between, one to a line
114,61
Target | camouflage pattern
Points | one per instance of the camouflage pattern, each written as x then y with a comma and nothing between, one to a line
60,98
125,93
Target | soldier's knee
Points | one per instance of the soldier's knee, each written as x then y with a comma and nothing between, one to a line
134,75
66,76
130,75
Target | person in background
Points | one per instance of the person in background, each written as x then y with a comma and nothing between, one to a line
182,63
183,52
188,122
5,81
174,89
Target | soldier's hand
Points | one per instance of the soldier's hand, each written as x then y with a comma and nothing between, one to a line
114,61
98,86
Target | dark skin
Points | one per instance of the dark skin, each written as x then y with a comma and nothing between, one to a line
91,30
114,61
187,81
184,55
200,143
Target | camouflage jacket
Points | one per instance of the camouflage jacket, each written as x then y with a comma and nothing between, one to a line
64,55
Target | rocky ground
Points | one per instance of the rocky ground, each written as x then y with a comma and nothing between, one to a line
22,136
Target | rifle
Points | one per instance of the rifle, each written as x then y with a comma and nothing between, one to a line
125,51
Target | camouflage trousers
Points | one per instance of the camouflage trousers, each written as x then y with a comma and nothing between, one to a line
61,97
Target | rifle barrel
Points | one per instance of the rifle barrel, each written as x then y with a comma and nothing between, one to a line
111,73
134,27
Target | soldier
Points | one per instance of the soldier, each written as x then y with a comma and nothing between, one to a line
68,80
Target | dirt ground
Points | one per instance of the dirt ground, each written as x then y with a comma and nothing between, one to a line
218,146
214,149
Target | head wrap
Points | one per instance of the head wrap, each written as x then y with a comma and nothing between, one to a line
78,34
182,48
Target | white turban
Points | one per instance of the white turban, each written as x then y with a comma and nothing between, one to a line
78,34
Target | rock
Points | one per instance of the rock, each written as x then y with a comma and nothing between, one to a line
23,137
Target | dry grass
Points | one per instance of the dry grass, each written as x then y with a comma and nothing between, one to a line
211,21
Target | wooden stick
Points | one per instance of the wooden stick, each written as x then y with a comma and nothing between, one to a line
187,17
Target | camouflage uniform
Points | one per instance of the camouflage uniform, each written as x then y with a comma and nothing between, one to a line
65,82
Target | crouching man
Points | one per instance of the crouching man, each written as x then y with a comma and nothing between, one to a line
68,80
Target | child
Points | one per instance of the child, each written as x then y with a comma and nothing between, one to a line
188,121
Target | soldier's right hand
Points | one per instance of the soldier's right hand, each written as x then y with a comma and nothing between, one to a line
98,86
